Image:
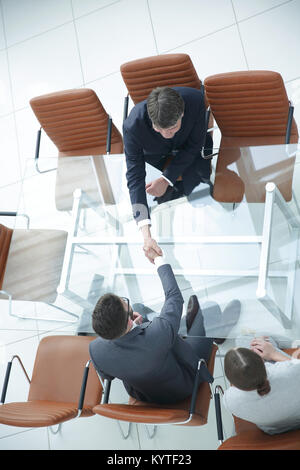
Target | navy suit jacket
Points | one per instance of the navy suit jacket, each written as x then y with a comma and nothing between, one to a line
143,144
154,363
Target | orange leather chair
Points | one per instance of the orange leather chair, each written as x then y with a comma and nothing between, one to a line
76,122
250,437
191,412
141,76
30,266
251,108
63,385
78,125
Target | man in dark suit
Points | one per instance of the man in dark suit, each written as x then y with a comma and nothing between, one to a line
167,127
155,364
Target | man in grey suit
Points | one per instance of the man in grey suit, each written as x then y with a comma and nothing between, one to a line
155,364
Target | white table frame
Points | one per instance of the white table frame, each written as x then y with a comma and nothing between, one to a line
273,196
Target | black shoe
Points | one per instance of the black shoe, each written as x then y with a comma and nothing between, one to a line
192,310
219,340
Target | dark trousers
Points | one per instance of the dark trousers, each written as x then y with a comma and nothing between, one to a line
201,345
197,339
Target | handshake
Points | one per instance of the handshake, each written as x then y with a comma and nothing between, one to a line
151,249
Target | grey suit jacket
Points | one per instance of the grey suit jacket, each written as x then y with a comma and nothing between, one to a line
153,361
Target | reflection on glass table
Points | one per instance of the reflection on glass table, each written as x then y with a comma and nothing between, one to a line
219,250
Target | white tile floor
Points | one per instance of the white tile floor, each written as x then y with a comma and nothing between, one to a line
53,45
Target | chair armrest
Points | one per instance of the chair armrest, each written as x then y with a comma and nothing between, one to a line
218,388
83,387
289,124
38,143
108,137
7,376
15,214
209,378
107,385
125,110
8,214
37,152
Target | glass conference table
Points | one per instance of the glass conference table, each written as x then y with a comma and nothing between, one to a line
243,248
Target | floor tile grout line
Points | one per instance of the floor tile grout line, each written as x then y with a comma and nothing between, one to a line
198,38
240,35
152,26
11,92
75,18
265,11
77,44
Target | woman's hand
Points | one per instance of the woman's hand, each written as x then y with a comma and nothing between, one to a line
266,350
263,348
296,354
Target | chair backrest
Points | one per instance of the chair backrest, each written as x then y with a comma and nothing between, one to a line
141,76
34,264
250,104
251,108
76,122
5,239
58,371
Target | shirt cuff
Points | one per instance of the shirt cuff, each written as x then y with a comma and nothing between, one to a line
144,222
170,183
159,261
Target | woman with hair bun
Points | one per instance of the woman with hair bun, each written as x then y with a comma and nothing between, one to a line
265,386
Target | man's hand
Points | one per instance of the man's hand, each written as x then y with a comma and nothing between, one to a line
137,318
151,249
157,187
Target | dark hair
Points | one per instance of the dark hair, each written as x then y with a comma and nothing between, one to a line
110,317
246,370
165,107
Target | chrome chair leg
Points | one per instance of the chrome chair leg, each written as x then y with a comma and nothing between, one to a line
151,434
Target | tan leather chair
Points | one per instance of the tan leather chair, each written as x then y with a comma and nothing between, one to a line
78,125
63,385
150,413
250,437
251,108
141,76
30,266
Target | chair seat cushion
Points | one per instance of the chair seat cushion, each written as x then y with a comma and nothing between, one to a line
236,174
36,413
141,414
258,440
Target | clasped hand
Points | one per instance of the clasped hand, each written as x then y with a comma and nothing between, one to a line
151,249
